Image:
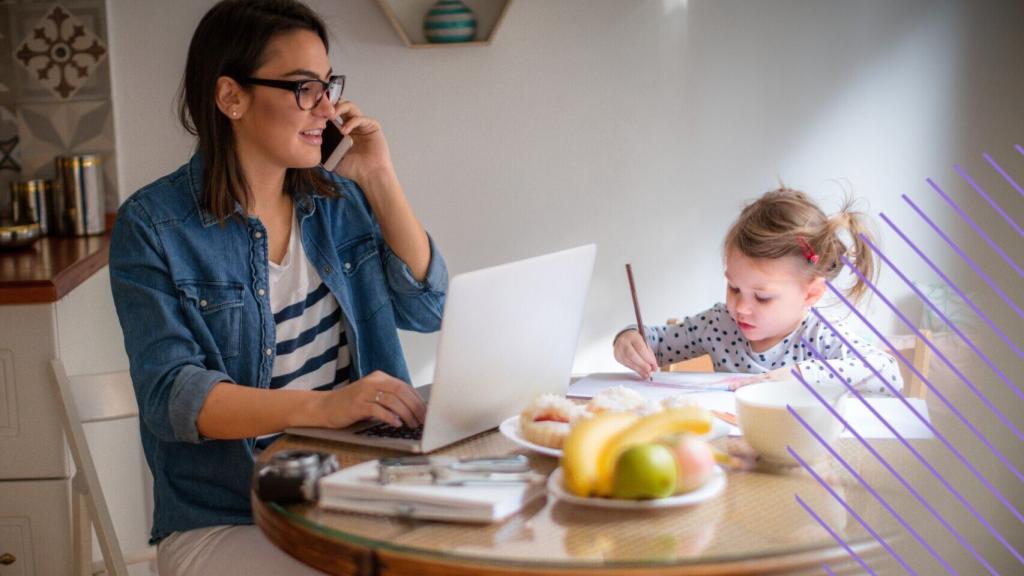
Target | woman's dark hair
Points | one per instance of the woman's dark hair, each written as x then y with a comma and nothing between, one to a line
230,41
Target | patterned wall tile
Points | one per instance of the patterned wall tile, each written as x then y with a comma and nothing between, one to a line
10,158
6,59
54,88
60,51
49,130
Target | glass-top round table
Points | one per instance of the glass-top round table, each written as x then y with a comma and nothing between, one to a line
755,525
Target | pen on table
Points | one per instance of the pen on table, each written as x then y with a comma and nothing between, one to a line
636,309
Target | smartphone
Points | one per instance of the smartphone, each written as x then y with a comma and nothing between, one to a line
333,145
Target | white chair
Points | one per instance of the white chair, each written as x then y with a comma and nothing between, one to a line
86,399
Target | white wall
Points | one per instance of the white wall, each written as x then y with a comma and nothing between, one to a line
641,125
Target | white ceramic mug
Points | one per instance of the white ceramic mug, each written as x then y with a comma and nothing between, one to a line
770,428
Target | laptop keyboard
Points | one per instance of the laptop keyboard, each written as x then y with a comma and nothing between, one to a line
388,431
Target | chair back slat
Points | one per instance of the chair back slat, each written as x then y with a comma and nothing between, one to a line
100,397
87,482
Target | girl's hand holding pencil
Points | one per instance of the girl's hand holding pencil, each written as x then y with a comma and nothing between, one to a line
646,362
632,352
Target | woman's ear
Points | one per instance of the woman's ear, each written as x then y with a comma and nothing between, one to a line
232,100
815,290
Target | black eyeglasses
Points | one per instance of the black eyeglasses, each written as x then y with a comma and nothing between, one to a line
308,93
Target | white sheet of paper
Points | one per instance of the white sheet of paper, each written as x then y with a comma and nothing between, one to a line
664,383
894,412
671,383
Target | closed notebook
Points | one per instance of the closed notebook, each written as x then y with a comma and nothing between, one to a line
355,489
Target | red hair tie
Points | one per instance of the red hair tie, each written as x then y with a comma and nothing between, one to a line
807,251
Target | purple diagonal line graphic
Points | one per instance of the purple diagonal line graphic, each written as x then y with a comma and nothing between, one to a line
991,283
829,570
948,322
970,222
959,456
835,536
897,475
850,510
951,284
1004,175
1019,149
864,483
963,174
984,399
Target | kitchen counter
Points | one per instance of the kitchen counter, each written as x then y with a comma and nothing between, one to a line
47,270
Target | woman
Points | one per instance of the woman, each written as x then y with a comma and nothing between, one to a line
257,291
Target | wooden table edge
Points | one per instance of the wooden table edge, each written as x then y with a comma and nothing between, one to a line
317,550
335,556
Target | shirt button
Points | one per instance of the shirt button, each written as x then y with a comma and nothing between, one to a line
327,269
261,291
258,234
348,265
268,351
203,303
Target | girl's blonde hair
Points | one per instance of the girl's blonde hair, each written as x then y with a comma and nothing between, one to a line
786,222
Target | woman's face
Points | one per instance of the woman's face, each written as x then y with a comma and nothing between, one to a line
273,128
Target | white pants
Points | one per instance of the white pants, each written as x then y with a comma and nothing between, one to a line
226,551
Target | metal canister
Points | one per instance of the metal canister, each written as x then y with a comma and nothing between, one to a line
30,202
79,206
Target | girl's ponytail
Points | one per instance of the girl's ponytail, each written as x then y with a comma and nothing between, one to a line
859,253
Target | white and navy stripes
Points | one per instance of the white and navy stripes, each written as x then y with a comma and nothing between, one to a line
312,349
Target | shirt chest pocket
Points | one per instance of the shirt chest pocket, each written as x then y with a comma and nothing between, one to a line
219,306
363,273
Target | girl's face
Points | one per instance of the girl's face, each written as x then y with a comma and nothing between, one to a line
768,298
273,129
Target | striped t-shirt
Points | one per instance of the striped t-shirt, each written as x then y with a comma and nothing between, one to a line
312,350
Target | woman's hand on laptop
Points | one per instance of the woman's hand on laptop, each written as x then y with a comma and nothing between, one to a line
377,395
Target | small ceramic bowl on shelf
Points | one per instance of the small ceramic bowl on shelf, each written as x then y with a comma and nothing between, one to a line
18,235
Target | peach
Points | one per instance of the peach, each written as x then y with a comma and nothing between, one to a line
695,461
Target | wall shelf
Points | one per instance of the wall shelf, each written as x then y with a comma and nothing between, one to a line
406,16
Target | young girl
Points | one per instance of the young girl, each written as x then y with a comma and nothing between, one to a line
778,255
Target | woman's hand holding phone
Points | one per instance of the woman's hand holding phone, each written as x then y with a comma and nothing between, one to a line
369,156
334,145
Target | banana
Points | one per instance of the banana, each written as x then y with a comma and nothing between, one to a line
686,419
583,447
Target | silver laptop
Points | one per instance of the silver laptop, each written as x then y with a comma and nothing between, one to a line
509,334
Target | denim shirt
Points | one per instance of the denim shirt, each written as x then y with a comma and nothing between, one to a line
192,298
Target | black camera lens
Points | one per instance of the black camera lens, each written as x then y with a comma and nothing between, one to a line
290,477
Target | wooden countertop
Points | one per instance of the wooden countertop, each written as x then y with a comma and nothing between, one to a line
50,268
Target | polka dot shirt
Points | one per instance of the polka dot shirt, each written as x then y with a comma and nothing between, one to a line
715,333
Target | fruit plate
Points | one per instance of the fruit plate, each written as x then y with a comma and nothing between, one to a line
713,487
510,429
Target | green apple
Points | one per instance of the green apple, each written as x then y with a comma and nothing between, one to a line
644,471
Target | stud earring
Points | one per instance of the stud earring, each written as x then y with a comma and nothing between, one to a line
234,114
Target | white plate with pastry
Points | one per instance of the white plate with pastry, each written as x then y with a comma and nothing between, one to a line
713,487
511,430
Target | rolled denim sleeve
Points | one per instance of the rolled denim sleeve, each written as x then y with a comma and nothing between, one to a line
418,304
167,364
